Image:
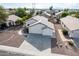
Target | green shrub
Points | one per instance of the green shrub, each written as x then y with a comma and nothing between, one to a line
65,32
77,15
71,43
64,14
21,12
25,18
19,22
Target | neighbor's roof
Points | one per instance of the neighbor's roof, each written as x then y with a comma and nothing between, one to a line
70,22
59,13
47,13
13,17
43,20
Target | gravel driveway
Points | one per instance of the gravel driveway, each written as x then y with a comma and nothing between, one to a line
10,38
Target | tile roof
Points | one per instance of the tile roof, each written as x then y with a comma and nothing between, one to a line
70,22
13,17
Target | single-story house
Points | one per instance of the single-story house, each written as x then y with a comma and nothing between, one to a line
40,25
71,24
46,14
12,19
58,15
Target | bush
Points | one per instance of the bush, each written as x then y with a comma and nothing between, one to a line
25,18
21,12
64,14
65,32
19,22
71,43
77,15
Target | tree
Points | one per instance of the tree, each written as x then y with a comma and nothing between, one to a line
25,8
77,15
65,32
3,14
50,8
19,22
25,18
10,9
32,12
66,10
37,13
64,14
21,12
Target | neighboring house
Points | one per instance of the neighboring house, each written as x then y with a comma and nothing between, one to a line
71,24
10,11
40,25
12,19
58,15
46,14
51,11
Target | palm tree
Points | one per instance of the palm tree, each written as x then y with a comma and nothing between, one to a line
51,8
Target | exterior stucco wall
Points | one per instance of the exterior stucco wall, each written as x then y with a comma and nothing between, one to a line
40,29
75,34
37,29
49,32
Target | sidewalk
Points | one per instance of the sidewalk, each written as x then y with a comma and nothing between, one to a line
6,50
